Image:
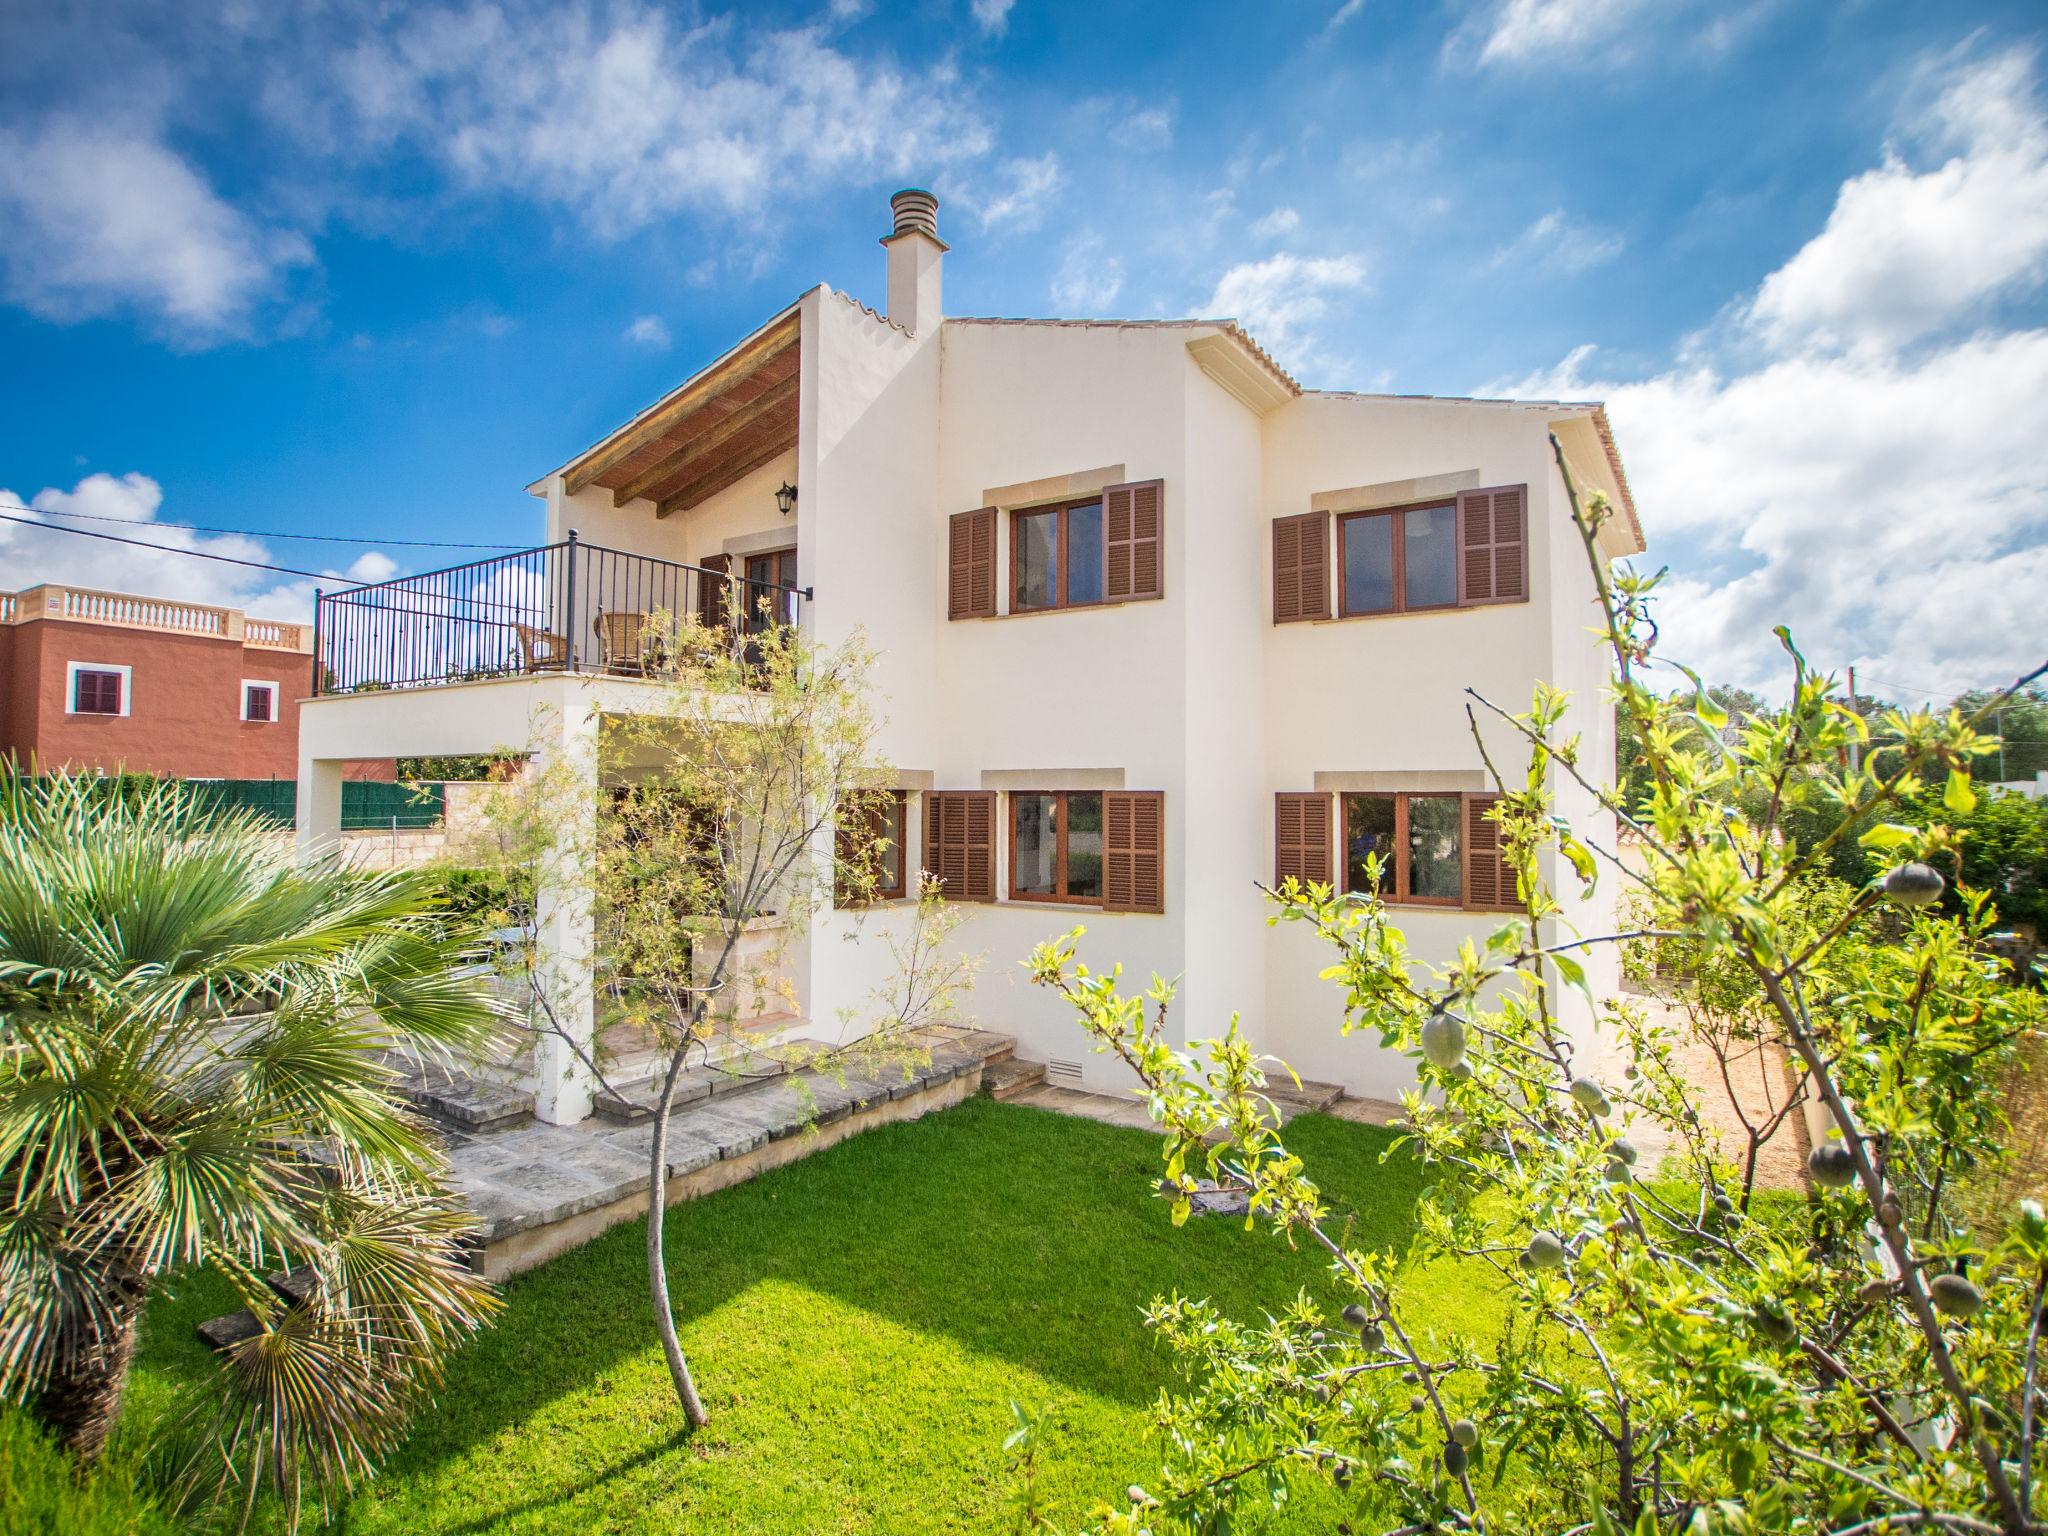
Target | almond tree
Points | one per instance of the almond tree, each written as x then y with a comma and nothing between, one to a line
1677,1354
738,792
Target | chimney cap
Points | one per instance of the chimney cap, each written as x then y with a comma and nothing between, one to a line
916,213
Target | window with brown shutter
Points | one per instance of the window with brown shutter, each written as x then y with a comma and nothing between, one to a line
713,590
971,565
869,841
1133,518
1301,567
95,691
1489,878
960,842
1134,851
1301,838
1493,546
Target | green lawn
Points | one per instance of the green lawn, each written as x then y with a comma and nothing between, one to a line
860,1322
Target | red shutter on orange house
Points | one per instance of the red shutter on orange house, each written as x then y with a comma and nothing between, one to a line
971,565
1493,546
1133,520
1489,878
1134,851
1303,830
713,585
960,842
1301,567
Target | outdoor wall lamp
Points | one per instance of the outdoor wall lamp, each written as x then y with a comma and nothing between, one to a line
785,498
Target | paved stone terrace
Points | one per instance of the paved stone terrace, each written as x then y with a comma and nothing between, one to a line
540,1190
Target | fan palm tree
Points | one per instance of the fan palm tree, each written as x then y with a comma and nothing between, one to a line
199,1040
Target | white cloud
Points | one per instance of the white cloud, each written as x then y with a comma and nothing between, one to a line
1277,225
38,554
1281,299
648,331
1088,280
1342,14
104,219
623,115
1525,33
1908,251
1558,243
1029,185
1803,466
992,16
1151,128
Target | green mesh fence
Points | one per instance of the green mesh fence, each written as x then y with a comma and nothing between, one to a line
366,804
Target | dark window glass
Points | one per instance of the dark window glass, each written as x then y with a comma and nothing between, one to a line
1084,553
889,857
1084,847
1435,863
1035,859
1037,556
1429,563
1369,829
96,693
1368,564
1418,839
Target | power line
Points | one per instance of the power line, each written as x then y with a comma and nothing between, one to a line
166,549
251,533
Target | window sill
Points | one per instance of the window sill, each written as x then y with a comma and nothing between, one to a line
1407,613
1039,613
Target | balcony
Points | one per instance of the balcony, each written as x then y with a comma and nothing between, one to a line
570,607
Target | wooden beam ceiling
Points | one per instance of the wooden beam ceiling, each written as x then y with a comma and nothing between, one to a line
689,459
716,479
743,363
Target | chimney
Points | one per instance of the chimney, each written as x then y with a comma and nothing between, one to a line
915,257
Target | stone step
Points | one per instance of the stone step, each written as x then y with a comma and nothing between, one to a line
1009,1076
1308,1095
465,1102
628,1059
734,1072
219,1333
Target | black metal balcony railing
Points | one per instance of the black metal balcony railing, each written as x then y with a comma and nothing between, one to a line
567,607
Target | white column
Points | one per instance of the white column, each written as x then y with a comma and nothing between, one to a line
563,1084
319,805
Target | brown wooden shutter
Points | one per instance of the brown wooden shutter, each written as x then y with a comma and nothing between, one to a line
1489,878
960,842
713,589
1133,519
1134,851
1493,546
1302,835
1301,567
971,565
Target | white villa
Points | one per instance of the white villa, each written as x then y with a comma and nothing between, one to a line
1156,624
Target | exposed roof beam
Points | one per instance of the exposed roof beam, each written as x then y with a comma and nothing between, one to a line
710,484
685,461
748,359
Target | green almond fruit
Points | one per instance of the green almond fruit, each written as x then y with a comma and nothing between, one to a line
1832,1165
1464,1432
1624,1149
1544,1252
1355,1315
1590,1096
1456,1459
1443,1040
1774,1325
1914,884
1956,1295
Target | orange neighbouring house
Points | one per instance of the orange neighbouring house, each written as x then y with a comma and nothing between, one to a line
116,681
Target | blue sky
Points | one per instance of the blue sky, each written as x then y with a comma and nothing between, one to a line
370,270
